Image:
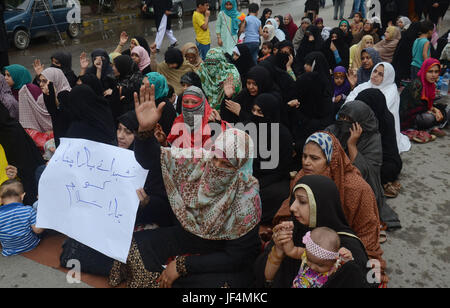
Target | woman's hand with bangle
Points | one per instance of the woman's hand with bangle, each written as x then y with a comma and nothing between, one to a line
169,275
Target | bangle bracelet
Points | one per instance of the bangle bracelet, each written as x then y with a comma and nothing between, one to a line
273,260
274,253
181,265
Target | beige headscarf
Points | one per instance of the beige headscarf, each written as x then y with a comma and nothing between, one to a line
191,48
386,48
358,48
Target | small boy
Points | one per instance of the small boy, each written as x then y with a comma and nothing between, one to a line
357,24
18,232
266,51
200,20
421,48
252,28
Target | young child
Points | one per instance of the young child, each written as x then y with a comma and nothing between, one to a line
266,51
18,233
320,259
342,87
421,48
200,20
357,24
251,27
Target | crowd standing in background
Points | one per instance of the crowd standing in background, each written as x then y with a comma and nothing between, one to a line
338,106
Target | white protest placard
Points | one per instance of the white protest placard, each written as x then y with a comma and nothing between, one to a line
88,192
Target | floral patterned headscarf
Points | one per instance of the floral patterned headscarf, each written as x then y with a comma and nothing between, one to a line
214,72
211,202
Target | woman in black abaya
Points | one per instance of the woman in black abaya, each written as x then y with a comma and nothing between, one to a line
21,152
392,162
273,182
314,111
325,210
312,41
336,50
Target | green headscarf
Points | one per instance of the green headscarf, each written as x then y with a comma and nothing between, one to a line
20,75
213,72
160,82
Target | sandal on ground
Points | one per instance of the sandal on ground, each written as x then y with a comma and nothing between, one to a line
397,185
423,137
410,133
438,132
390,190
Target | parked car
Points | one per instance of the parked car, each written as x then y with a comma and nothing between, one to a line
22,25
180,7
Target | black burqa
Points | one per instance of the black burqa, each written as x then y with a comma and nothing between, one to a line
370,152
21,152
65,60
265,85
342,48
107,76
306,46
158,211
129,81
284,84
273,180
328,213
316,109
92,118
245,61
392,162
403,54
320,65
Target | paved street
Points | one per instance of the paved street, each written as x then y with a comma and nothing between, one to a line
418,255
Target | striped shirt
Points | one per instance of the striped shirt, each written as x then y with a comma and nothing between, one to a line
16,235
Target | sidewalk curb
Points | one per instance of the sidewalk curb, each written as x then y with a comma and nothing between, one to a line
108,19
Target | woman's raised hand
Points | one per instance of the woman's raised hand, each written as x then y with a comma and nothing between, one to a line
145,105
38,67
228,87
352,78
123,38
84,61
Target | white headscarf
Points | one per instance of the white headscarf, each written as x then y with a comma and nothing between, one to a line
406,23
278,33
390,91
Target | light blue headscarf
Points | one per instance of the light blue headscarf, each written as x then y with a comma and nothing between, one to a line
233,14
324,141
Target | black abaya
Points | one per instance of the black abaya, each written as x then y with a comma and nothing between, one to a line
392,162
329,214
21,152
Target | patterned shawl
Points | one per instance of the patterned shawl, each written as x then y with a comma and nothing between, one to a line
32,112
212,202
8,99
213,73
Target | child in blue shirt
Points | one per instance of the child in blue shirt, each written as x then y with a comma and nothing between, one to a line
421,48
252,28
18,232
